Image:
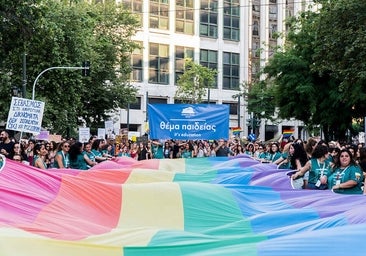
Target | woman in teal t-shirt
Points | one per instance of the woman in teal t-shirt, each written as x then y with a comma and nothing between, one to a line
62,155
347,176
76,155
275,152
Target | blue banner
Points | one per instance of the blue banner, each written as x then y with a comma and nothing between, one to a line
188,121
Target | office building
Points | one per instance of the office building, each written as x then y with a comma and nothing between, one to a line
235,37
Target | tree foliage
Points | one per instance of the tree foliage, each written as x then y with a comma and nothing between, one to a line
194,82
260,100
65,33
318,77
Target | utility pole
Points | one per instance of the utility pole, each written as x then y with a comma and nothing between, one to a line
239,111
24,87
128,116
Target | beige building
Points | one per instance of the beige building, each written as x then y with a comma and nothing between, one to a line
235,37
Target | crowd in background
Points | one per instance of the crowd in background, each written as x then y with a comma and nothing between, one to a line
315,164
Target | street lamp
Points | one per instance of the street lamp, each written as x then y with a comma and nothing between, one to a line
85,67
16,91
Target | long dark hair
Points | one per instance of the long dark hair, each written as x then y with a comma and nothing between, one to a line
299,154
319,151
96,144
37,147
75,150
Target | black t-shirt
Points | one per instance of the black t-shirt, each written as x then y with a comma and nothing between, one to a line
8,147
175,150
223,151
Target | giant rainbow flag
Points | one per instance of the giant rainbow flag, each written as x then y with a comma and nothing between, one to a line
200,206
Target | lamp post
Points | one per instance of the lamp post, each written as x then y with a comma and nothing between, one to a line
239,111
128,116
208,95
16,91
24,85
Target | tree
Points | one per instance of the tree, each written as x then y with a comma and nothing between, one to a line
260,103
65,34
194,82
17,27
310,77
260,100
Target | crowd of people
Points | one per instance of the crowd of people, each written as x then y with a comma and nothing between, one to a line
314,163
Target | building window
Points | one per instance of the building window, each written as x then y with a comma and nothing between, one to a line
181,53
159,14
255,28
137,104
233,108
208,58
136,63
231,71
273,12
158,101
184,18
135,6
256,49
159,63
255,69
256,6
231,20
272,31
208,18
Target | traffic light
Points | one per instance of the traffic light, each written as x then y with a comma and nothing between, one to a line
86,68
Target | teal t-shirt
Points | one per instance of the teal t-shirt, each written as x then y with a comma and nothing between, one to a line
275,156
157,151
97,153
90,155
79,163
352,172
318,169
35,158
65,160
186,154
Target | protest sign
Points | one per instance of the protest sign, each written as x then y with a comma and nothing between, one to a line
25,115
84,134
188,121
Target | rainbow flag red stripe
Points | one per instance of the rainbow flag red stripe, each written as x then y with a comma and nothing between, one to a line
236,129
287,133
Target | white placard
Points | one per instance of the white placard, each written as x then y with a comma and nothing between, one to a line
109,128
84,134
25,115
101,133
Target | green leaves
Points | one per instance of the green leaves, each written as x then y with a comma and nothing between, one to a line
194,82
65,33
320,74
